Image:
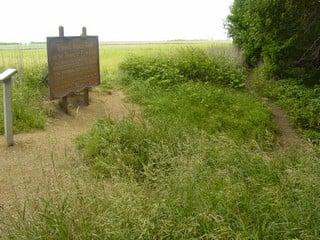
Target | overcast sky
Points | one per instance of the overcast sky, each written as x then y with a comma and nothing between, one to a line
114,20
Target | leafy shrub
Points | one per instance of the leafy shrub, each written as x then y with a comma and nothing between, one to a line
184,64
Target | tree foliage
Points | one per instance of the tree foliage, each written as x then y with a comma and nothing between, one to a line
285,34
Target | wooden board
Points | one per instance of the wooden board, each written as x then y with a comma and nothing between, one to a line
73,64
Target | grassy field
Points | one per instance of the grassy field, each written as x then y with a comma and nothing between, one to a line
201,162
31,61
20,56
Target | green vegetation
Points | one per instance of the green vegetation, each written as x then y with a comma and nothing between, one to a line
185,64
28,94
166,93
30,89
211,188
211,110
281,38
111,54
198,164
302,103
284,34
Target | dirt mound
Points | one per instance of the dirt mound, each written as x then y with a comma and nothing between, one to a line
42,157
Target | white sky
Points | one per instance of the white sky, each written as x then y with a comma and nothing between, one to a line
114,20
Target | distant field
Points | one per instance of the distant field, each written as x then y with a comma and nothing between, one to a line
111,54
31,62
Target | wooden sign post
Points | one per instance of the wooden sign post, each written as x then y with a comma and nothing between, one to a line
86,90
64,101
73,66
5,77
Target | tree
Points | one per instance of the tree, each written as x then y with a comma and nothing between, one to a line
285,34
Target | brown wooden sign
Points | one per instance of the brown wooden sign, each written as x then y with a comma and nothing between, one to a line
73,64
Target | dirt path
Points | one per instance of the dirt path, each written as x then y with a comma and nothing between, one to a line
287,137
42,158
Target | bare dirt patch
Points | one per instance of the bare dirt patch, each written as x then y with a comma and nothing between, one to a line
43,158
287,135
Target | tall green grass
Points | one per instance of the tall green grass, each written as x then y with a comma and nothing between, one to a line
213,189
184,64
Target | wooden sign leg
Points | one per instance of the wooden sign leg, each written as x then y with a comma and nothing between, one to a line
85,91
86,96
64,101
64,104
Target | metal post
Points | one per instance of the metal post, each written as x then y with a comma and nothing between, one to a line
85,91
7,107
5,77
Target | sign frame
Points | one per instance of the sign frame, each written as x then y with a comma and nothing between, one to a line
51,41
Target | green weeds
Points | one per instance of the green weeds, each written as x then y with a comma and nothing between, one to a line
28,91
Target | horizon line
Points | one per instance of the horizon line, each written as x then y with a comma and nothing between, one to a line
120,41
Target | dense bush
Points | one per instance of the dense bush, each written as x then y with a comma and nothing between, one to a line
184,64
283,33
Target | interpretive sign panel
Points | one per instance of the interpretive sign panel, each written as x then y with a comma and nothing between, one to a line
73,64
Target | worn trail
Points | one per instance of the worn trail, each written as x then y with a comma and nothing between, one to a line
288,137
42,158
